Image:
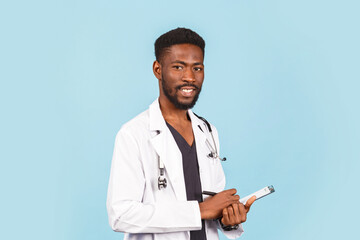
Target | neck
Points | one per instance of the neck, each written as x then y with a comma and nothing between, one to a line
170,112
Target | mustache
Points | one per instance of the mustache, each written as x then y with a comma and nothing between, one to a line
187,85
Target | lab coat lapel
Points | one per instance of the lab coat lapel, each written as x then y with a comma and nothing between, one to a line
168,151
202,150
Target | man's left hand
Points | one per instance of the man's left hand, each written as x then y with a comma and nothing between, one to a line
236,213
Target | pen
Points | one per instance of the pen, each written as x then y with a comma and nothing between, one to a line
209,193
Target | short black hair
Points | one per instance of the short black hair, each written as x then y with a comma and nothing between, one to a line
177,36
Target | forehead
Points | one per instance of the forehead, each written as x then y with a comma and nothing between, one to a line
183,52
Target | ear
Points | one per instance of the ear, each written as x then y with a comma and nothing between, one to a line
157,69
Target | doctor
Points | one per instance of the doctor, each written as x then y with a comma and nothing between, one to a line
168,142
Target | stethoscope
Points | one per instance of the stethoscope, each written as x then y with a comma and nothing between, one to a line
214,154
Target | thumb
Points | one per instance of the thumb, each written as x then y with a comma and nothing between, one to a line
250,202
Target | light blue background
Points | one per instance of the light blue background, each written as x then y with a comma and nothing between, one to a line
281,85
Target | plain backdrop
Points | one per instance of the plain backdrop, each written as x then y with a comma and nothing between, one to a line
281,86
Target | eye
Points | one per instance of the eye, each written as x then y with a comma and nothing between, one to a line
198,69
177,67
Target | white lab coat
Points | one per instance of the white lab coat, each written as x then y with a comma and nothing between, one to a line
135,204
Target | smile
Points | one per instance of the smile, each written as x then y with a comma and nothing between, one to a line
187,90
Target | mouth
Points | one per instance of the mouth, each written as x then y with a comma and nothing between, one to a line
187,91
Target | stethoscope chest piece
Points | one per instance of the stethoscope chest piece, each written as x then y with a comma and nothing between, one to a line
214,155
162,182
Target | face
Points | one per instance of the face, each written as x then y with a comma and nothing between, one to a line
181,74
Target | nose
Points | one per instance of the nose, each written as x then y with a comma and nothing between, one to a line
188,75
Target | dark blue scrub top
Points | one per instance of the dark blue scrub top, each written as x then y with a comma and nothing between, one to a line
191,176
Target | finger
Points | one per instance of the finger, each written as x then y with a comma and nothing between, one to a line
225,218
249,203
232,199
243,212
230,210
231,191
236,213
235,198
231,215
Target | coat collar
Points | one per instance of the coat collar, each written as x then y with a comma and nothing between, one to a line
157,121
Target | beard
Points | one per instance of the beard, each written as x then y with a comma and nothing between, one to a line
173,97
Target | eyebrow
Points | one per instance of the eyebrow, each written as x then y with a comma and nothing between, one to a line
183,63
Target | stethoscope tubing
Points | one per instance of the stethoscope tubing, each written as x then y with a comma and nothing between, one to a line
162,183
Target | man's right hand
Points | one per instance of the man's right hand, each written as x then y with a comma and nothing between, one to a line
212,207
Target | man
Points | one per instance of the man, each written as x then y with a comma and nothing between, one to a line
165,157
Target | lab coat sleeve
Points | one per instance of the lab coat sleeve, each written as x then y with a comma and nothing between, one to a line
233,234
127,212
